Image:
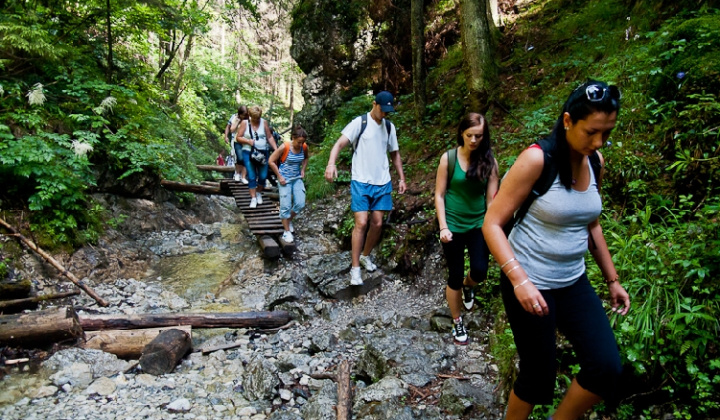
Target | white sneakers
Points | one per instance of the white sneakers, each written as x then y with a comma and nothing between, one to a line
236,177
253,203
367,263
259,198
355,277
287,236
243,180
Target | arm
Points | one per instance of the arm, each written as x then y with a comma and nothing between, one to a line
514,190
440,190
492,186
235,123
227,133
619,298
304,164
330,169
270,138
272,162
397,163
241,129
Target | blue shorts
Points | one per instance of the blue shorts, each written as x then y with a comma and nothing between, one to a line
368,197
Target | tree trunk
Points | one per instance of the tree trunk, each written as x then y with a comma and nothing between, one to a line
417,23
478,52
36,329
344,391
181,71
126,344
193,188
109,41
262,319
163,353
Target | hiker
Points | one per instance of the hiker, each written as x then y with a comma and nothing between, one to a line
220,160
292,158
257,143
371,137
466,182
240,171
543,281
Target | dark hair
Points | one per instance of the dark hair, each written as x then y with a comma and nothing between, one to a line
579,106
242,110
482,161
298,131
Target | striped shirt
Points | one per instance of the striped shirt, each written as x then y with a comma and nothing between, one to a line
290,169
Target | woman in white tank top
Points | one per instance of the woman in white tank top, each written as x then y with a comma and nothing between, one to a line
255,133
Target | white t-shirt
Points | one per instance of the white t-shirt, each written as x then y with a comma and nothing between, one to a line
370,164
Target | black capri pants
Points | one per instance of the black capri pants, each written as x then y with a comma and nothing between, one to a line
577,312
454,252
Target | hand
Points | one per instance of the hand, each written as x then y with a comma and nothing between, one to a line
282,180
401,186
227,141
330,173
619,298
531,299
445,235
302,173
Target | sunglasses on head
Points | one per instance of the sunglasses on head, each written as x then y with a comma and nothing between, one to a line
597,93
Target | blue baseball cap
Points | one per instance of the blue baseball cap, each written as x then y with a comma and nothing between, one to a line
385,100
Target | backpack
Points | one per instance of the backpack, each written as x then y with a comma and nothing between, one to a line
284,156
452,158
547,177
363,126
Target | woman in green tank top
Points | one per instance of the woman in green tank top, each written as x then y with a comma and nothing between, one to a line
467,180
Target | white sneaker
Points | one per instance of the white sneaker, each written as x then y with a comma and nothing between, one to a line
367,263
259,198
355,277
292,228
268,184
253,203
244,180
236,177
287,236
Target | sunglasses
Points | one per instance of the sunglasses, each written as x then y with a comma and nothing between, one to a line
596,93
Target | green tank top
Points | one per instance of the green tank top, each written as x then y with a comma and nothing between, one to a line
465,202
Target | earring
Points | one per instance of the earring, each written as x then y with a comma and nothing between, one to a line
566,128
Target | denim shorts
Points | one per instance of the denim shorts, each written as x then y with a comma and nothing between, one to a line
368,197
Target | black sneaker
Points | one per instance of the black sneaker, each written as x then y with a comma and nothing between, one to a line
468,297
459,333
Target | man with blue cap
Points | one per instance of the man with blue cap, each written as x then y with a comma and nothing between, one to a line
371,137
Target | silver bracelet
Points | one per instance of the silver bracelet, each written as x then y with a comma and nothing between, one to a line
508,262
511,270
524,281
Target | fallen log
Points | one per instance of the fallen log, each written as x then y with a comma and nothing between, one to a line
126,344
193,188
261,319
344,391
163,353
268,245
30,244
16,305
216,168
36,329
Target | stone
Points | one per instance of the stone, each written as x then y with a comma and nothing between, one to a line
181,405
260,379
102,386
387,388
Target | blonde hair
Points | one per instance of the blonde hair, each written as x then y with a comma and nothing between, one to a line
255,112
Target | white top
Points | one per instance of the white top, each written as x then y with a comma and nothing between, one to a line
370,164
261,143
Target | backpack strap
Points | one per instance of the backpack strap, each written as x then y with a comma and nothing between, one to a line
286,151
363,126
540,187
452,158
596,166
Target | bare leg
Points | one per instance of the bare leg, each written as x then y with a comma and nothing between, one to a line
252,192
517,409
239,169
373,235
358,236
286,224
454,298
469,282
577,401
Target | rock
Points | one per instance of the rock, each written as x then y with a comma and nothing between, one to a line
289,361
322,342
285,290
102,386
46,391
77,375
321,405
387,388
99,363
260,379
459,397
181,405
286,395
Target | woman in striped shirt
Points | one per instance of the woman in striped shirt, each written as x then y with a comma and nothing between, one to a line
289,162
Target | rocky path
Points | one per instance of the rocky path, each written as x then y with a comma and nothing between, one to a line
396,335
